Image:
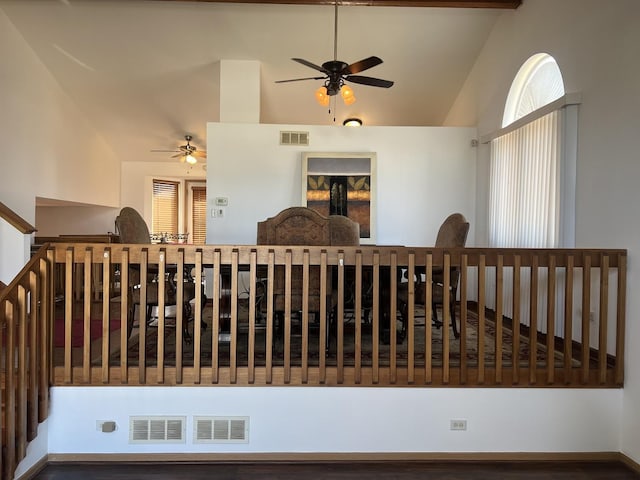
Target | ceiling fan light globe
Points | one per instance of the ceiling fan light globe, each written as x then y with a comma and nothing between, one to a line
321,96
190,159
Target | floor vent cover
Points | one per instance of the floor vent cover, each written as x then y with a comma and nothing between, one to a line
221,430
294,138
157,429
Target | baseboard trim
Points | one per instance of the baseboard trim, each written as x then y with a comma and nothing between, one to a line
342,457
632,464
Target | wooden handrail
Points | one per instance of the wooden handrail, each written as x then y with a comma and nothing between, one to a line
15,220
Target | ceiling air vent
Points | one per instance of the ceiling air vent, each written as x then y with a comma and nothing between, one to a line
294,138
221,430
157,429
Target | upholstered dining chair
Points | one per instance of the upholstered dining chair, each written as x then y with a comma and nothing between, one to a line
305,226
295,226
133,229
451,234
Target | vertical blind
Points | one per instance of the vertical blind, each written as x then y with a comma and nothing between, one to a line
199,215
165,207
524,185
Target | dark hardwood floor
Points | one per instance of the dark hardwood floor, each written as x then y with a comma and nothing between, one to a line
459,470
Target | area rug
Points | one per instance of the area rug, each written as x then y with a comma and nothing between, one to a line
77,325
349,349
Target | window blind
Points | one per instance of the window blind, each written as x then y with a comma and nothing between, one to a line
199,215
165,207
524,190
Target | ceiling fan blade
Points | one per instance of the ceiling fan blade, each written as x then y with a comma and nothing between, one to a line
373,82
299,79
164,151
199,154
362,65
309,64
181,154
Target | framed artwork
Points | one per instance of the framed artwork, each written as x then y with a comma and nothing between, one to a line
342,184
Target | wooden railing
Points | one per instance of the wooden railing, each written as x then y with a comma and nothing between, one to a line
55,332
26,309
247,345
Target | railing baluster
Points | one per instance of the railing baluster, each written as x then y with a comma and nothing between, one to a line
179,282
498,317
270,312
340,321
21,374
393,308
586,313
358,317
142,317
86,327
446,317
620,319
215,318
482,329
287,316
375,360
305,317
68,315
198,307
428,319
125,328
322,353
568,321
515,351
233,348
603,319
533,320
464,263
9,411
106,314
551,319
253,282
162,269
34,372
410,327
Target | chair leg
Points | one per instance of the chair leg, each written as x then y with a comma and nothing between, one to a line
434,312
454,323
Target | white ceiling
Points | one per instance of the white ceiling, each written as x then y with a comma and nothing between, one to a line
144,72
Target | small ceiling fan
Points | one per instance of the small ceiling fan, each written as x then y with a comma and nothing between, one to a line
336,73
187,153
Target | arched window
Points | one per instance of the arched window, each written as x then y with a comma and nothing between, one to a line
529,197
537,83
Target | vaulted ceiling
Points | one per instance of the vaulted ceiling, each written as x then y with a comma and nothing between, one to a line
144,71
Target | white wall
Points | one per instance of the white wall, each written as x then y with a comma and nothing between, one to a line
423,175
38,126
597,46
340,419
54,221
12,243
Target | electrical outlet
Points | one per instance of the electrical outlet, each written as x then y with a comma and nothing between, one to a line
458,425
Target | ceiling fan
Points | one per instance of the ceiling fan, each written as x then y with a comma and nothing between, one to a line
336,73
187,153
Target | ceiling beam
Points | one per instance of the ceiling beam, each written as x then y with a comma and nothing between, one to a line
509,4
